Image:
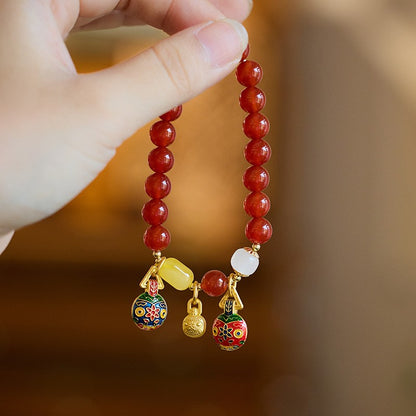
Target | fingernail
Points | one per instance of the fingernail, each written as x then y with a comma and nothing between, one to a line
223,41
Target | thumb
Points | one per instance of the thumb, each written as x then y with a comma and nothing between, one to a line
130,94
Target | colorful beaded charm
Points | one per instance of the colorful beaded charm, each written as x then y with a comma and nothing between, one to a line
149,310
229,329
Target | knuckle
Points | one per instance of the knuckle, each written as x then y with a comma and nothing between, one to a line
171,60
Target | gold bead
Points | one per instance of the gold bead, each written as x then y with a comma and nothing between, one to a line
194,324
256,247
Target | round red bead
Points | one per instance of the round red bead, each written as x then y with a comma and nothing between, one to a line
156,237
172,114
245,53
155,212
160,160
252,100
259,230
256,178
249,73
214,283
162,133
157,185
257,204
256,126
257,152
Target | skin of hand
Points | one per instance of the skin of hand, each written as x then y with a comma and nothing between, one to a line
59,129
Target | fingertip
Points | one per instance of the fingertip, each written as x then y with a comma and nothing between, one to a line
223,41
237,10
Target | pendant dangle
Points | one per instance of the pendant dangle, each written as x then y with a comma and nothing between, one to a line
230,329
194,324
149,310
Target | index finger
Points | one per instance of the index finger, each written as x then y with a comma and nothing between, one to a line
169,15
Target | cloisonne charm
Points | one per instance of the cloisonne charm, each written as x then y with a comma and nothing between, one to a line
230,329
149,310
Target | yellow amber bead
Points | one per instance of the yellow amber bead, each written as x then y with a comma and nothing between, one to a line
176,274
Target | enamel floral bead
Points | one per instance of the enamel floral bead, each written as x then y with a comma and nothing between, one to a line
245,261
149,310
229,329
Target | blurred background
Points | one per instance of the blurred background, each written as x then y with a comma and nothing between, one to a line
331,310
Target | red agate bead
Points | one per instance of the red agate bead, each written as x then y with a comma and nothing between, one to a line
245,53
160,160
257,204
155,212
252,100
256,178
156,237
172,114
249,73
157,185
259,230
256,126
162,133
214,283
257,152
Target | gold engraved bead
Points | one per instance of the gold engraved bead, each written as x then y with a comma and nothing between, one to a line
194,324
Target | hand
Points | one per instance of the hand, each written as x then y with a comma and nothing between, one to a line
59,129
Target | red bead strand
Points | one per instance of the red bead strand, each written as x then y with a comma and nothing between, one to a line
257,152
155,211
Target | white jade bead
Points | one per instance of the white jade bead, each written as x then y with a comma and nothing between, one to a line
245,261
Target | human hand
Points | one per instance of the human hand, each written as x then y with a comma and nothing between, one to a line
59,129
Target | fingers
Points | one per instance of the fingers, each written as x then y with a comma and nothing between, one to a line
168,15
132,93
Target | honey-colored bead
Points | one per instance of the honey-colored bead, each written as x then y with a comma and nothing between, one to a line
176,274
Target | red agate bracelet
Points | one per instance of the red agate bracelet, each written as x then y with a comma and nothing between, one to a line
149,310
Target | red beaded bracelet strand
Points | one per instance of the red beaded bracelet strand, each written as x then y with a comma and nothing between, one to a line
149,310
